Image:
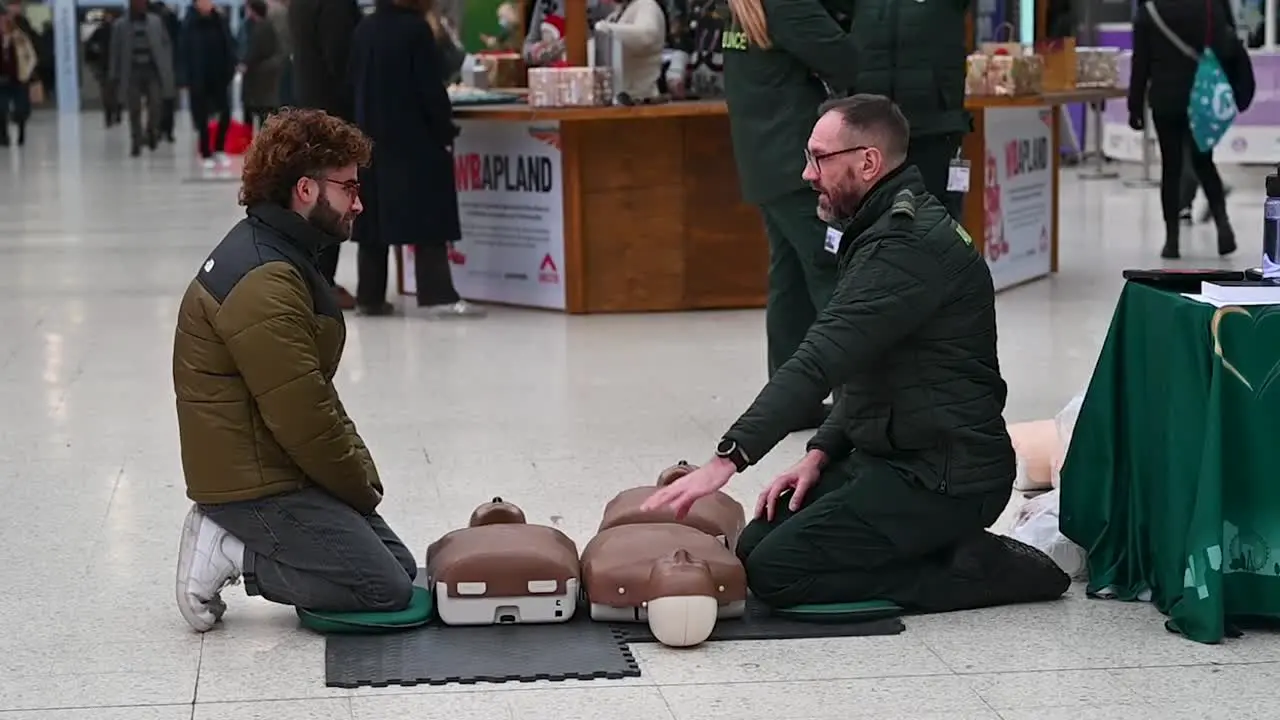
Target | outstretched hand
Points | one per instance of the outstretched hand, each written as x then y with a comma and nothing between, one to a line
683,493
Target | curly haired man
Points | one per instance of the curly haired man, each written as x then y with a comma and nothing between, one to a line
285,490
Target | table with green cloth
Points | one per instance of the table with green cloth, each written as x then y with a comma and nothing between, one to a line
1169,484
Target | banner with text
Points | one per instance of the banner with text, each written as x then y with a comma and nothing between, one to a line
511,203
1018,193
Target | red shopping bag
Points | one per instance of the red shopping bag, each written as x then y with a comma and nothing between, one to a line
239,135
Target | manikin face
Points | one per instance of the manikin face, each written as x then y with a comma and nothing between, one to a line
841,166
330,200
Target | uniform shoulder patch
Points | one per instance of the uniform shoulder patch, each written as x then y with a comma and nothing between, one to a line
904,204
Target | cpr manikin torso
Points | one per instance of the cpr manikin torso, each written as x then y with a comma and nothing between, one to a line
679,576
499,569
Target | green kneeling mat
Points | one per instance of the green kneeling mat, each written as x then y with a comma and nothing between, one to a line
841,612
419,612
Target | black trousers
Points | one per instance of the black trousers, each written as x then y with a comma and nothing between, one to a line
431,273
867,532
1173,134
209,104
932,156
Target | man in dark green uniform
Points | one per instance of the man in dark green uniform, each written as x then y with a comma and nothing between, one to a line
894,496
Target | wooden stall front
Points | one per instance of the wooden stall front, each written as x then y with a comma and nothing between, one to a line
650,216
640,211
1011,208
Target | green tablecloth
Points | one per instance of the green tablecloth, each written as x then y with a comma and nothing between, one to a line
1168,484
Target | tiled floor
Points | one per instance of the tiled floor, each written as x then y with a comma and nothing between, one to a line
553,412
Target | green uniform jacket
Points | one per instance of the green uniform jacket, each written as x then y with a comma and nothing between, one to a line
912,51
908,342
258,341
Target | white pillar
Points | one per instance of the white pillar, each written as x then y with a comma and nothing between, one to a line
66,51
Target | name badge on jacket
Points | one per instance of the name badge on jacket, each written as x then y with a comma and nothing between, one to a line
832,243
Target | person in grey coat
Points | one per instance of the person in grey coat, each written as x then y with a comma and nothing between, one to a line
263,63
140,65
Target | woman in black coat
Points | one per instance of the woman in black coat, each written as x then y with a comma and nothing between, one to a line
408,190
1162,75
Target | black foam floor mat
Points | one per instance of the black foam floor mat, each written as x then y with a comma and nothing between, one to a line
759,623
437,655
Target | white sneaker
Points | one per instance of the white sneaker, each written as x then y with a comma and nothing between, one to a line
209,559
209,163
223,160
460,309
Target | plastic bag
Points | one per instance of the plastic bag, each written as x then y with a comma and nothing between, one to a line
1037,526
1065,421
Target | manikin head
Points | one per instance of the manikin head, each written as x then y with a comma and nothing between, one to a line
496,512
856,142
308,161
684,608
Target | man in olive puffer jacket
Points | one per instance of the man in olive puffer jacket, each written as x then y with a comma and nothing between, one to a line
285,490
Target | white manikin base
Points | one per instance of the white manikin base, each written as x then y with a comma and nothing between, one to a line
523,610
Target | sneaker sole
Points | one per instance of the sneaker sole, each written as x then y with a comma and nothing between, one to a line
186,552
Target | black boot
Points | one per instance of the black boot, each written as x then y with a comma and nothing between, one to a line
1170,251
22,134
1226,235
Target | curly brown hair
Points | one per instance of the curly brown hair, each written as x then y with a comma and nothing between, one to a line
296,143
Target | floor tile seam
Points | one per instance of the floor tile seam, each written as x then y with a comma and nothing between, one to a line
1111,668
116,706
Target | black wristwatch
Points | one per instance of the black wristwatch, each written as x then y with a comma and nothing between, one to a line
731,450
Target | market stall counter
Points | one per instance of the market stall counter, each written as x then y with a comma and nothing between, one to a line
637,208
603,209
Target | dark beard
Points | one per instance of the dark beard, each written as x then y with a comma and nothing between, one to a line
323,217
842,206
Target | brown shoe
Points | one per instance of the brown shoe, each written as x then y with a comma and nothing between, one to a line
345,300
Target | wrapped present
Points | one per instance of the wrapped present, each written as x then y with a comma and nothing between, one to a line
1004,74
1059,56
570,87
976,80
1097,67
505,69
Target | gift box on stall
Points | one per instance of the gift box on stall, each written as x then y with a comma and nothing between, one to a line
504,69
1059,57
1097,67
1004,74
570,86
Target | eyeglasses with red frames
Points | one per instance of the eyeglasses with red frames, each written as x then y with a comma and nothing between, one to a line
351,187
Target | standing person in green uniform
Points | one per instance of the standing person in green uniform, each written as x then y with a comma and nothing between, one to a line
914,54
774,73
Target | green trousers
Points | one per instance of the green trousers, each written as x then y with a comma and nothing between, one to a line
802,275
868,532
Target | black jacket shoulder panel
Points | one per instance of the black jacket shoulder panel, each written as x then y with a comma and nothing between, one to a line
251,244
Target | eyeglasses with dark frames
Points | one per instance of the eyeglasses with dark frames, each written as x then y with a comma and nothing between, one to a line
812,159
